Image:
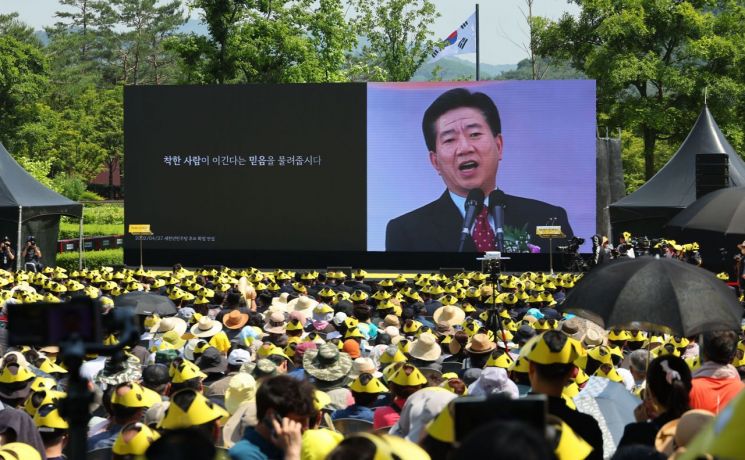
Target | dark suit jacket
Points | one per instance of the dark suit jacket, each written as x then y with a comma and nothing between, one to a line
436,227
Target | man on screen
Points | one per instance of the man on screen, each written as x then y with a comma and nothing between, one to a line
463,134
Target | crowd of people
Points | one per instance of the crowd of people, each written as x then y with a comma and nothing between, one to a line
630,247
279,365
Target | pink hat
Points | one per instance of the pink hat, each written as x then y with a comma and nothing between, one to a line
303,347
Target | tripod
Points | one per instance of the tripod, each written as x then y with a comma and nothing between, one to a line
493,268
575,263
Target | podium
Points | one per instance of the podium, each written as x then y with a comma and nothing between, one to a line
550,232
140,230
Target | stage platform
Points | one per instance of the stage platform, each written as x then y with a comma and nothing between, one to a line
382,262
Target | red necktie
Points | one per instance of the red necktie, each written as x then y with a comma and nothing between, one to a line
483,235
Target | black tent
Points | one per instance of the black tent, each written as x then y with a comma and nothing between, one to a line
647,210
29,208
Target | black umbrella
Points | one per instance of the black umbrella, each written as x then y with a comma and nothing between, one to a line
722,212
650,293
147,303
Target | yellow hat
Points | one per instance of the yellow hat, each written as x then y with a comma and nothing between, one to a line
318,443
390,447
392,355
404,345
19,450
408,375
47,418
448,386
471,328
679,342
351,322
581,377
151,321
199,410
14,372
373,385
570,390
601,354
520,365
615,351
389,370
570,446
540,353
724,276
294,325
137,444
51,368
321,399
611,375
43,383
323,308
184,370
665,350
137,396
354,332
41,398
499,358
617,335
442,427
358,296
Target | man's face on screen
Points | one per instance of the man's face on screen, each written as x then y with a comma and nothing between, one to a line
467,154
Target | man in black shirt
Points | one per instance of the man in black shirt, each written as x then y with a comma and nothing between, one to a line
551,358
7,257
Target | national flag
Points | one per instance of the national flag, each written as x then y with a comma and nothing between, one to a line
461,40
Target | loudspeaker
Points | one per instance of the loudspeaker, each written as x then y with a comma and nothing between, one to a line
712,173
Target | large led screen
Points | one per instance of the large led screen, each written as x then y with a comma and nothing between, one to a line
348,168
270,167
532,140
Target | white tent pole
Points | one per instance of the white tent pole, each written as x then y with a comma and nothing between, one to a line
18,241
80,245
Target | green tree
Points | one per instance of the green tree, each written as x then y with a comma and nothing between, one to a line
78,140
23,81
79,49
269,41
39,170
644,57
211,59
144,25
109,132
398,37
333,37
11,26
550,69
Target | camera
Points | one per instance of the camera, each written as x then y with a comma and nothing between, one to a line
575,243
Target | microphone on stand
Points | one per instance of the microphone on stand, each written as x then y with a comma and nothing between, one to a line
496,210
474,203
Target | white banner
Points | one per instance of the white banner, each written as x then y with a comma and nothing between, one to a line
462,40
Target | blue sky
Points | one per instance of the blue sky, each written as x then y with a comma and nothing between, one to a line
501,22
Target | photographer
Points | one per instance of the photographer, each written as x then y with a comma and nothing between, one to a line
6,254
31,255
625,246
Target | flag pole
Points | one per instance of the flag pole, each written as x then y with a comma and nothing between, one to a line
477,42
